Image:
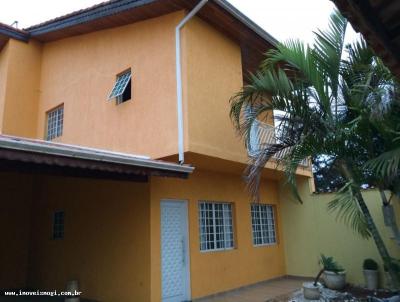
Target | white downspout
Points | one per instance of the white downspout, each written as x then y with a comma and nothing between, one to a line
179,89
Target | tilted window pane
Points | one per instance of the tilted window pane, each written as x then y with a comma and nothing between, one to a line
120,85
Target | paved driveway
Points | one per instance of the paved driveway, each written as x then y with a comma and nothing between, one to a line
279,289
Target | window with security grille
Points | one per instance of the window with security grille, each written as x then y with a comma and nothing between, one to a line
122,88
58,225
55,122
263,224
216,227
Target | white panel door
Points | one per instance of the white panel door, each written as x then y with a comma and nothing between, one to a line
174,251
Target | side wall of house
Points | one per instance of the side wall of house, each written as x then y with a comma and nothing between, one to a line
309,230
106,243
4,57
81,71
15,208
213,272
21,88
213,74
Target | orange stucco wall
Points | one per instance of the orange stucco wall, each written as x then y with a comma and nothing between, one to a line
20,88
4,57
15,206
106,244
112,235
213,272
212,69
213,74
113,228
81,71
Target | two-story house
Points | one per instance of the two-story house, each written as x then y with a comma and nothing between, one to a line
79,95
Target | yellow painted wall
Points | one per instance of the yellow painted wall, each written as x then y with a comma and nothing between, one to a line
213,74
81,71
4,58
213,272
15,204
106,245
310,230
20,88
212,68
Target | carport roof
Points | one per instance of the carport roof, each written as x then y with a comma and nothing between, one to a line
38,156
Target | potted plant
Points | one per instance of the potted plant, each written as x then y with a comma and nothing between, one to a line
334,274
311,290
371,274
388,278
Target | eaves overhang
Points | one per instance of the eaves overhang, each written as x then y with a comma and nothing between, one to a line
379,22
253,40
8,32
116,7
42,156
11,32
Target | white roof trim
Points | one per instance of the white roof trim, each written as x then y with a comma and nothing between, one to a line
74,151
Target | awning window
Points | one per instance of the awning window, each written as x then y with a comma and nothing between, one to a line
120,85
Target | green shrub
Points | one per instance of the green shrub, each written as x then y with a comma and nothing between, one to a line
370,264
329,264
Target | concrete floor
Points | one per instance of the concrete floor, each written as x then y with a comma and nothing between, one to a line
260,292
273,290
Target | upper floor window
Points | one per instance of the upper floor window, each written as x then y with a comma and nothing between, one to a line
263,224
122,87
216,227
55,121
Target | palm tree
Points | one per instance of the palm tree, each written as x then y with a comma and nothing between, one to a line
386,166
332,97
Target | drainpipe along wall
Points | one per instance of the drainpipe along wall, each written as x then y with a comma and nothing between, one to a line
179,88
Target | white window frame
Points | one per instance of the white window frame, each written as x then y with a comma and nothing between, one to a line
266,227
55,123
58,227
227,224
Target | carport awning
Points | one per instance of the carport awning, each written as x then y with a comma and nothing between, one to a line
42,157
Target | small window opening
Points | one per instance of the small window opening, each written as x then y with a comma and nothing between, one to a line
55,121
58,225
122,88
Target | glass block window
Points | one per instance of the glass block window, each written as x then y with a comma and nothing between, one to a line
122,88
216,227
58,225
263,224
55,121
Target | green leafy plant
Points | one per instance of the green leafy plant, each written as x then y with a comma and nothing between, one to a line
327,264
370,264
330,100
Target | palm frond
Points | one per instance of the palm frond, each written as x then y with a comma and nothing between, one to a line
348,210
328,49
386,165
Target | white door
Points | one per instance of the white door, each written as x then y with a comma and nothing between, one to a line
174,251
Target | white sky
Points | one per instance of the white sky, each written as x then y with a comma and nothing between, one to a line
283,19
